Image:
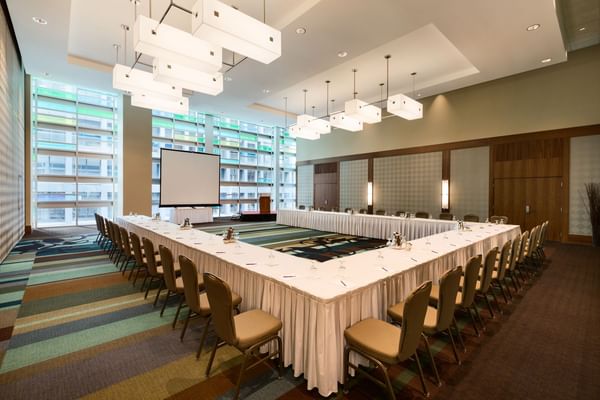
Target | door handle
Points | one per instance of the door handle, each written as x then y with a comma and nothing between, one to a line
527,209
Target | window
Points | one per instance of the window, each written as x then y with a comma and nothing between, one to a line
74,153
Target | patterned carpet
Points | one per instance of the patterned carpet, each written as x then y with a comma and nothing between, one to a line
84,331
300,242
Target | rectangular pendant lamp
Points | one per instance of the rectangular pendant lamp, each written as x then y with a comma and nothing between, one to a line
303,132
187,77
361,111
405,107
318,125
137,81
227,27
340,120
177,106
175,45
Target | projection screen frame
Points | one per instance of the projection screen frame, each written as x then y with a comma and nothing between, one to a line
160,203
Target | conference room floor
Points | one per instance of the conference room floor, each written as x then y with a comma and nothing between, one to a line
546,345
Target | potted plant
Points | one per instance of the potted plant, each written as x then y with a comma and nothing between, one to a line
593,194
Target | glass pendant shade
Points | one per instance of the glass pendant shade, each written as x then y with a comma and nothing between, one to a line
361,111
303,132
188,78
404,107
177,106
341,121
137,81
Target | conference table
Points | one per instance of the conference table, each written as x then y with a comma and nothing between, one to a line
367,225
317,301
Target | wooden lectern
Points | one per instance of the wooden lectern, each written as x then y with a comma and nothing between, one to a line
264,203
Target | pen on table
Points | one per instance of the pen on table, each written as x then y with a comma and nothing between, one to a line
385,269
452,244
433,251
220,252
252,263
413,259
289,276
343,283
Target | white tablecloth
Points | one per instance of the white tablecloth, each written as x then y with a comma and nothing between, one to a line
373,226
196,215
317,301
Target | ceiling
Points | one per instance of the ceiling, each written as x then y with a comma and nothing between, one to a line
450,44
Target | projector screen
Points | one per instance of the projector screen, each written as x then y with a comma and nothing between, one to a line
188,179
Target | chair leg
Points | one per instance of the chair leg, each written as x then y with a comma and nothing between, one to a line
162,310
280,362
178,310
149,286
160,287
144,282
460,339
433,366
470,312
423,384
345,376
503,293
185,324
495,300
212,357
239,381
479,316
489,305
203,338
453,346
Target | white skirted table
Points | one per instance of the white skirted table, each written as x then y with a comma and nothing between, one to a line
373,226
196,215
317,301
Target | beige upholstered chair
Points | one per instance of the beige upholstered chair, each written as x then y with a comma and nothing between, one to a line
140,260
485,280
128,251
500,219
380,212
446,216
347,209
173,283
529,263
301,207
511,266
520,267
440,317
116,239
155,270
385,344
499,272
399,213
247,331
471,218
362,211
422,214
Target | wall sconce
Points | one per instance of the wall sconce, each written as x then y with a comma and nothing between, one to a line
370,193
445,195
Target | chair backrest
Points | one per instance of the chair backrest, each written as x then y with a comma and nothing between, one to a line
446,216
219,298
166,260
422,214
514,253
399,212
103,228
488,269
97,218
471,218
413,316
504,259
150,257
189,274
347,209
301,207
471,276
532,239
502,219
117,235
523,250
136,246
449,283
362,211
125,241
380,212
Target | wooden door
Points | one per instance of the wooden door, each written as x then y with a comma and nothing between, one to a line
529,202
543,202
326,193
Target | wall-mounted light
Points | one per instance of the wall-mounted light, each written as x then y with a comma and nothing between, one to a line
445,195
370,193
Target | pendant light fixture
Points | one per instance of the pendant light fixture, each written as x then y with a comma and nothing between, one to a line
301,128
360,110
342,121
400,104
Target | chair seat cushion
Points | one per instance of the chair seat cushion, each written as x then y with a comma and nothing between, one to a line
253,326
376,338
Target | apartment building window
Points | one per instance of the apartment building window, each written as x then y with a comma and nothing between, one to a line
74,144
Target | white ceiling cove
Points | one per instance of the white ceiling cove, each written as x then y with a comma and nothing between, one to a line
450,44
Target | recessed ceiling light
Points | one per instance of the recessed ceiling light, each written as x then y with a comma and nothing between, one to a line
533,27
583,28
228,78
418,94
546,60
300,31
342,54
266,91
39,20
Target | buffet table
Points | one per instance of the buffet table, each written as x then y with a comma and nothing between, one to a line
373,226
317,301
